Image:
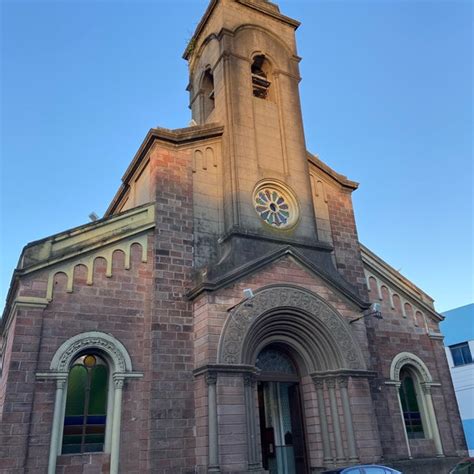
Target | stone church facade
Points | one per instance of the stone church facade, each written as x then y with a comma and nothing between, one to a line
220,317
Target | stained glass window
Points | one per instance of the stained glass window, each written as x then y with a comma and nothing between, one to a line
86,406
410,407
272,207
273,360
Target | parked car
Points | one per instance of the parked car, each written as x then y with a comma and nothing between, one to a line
364,469
466,466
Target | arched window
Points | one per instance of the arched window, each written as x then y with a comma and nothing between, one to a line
86,405
207,87
414,383
410,405
261,74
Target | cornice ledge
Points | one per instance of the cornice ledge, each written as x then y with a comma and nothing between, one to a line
405,286
86,238
30,302
225,369
339,178
343,373
436,336
180,136
256,264
272,10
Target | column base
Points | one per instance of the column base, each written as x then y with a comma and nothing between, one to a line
213,469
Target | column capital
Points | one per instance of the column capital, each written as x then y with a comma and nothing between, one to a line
343,381
61,382
318,383
211,378
426,388
331,383
118,380
249,379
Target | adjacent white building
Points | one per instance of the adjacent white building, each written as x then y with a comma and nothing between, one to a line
458,329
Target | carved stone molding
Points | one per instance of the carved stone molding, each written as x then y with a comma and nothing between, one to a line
319,384
406,358
211,378
241,319
249,379
119,380
110,346
342,382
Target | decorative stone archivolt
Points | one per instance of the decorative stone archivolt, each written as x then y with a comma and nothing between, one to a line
92,340
424,382
296,317
407,358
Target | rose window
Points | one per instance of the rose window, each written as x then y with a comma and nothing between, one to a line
272,207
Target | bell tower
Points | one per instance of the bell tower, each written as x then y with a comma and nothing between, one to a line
244,74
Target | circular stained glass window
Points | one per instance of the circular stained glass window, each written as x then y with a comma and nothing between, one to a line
275,206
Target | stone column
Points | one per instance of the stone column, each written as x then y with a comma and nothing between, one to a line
249,395
116,424
56,428
346,408
432,420
213,453
331,383
327,456
400,409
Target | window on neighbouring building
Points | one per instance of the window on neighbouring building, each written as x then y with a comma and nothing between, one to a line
461,354
86,405
410,405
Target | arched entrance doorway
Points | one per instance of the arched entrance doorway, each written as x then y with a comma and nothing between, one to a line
320,346
282,437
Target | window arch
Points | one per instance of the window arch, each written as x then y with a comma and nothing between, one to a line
261,77
72,367
207,88
85,414
409,398
413,380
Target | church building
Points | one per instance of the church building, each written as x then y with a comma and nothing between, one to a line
223,317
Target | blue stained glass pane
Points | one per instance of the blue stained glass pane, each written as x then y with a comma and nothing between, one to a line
73,420
96,420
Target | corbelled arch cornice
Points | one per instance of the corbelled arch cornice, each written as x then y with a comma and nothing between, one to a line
297,317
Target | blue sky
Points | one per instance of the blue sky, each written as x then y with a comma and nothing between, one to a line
386,97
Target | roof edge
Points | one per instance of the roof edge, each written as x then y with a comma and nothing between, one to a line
340,178
173,137
273,11
381,267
